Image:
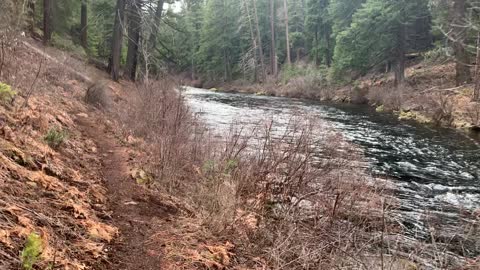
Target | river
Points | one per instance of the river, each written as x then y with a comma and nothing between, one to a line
435,171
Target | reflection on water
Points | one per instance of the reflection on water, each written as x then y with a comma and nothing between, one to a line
436,171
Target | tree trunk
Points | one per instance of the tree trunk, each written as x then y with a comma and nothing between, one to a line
259,37
476,92
225,53
254,39
273,48
316,46
117,40
134,30
83,24
47,21
31,15
328,52
459,37
156,24
400,67
289,58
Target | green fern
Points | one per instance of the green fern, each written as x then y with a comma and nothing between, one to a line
31,252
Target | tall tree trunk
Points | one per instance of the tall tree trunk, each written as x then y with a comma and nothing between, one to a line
400,57
459,37
254,39
328,52
117,40
225,53
156,24
273,47
134,30
47,21
476,92
295,14
260,46
31,15
289,58
316,46
83,24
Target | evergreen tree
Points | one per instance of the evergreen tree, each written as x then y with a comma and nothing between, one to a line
83,25
380,32
115,57
218,38
47,21
319,32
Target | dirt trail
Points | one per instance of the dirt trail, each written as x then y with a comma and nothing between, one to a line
135,210
138,213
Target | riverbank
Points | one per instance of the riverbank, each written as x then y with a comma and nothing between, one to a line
432,171
104,175
429,95
97,177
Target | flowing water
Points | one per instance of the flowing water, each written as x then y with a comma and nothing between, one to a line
435,171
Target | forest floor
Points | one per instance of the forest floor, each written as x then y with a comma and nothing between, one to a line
79,188
79,196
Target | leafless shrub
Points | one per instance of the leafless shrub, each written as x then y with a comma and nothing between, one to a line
158,114
307,86
267,187
97,95
440,109
473,114
389,97
310,211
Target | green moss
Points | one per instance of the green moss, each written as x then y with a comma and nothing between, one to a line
380,109
467,91
7,95
142,177
410,115
261,93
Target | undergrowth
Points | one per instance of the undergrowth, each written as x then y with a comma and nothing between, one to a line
31,252
7,95
55,137
258,186
67,45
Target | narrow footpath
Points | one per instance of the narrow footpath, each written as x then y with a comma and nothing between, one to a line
135,210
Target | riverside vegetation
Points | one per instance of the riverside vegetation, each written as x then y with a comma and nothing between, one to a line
104,171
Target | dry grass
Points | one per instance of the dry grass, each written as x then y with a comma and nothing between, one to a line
265,199
266,192
97,95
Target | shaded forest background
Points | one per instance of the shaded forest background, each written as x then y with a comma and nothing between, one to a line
259,41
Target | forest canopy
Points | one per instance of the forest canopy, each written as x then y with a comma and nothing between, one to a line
258,40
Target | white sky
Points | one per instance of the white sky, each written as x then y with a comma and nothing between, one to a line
177,6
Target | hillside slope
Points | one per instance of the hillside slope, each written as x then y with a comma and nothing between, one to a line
51,183
69,177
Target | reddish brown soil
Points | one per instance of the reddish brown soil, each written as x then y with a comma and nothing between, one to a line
135,211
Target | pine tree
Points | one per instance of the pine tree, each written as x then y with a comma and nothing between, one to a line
273,47
287,35
380,32
319,32
115,56
47,21
459,37
83,25
134,30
